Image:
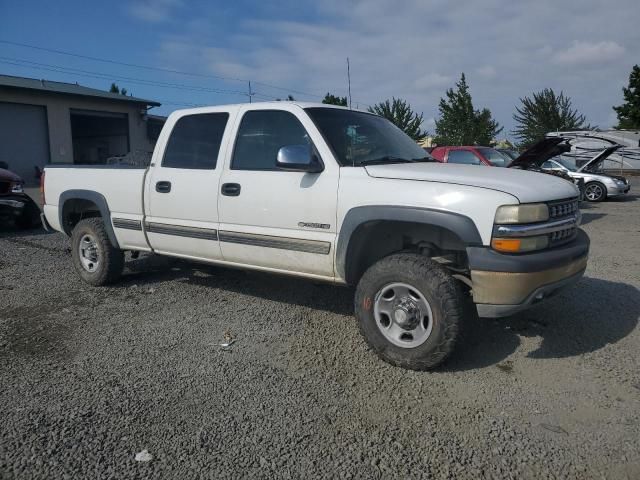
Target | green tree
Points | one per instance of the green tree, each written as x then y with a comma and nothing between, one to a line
115,89
400,113
545,112
629,112
460,123
331,99
288,99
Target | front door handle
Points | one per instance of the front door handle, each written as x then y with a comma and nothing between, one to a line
163,187
230,189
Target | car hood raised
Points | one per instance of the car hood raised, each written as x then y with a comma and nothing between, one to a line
540,152
526,186
592,165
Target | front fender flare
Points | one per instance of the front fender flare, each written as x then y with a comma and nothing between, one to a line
459,224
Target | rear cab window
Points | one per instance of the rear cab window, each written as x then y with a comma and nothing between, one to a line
194,142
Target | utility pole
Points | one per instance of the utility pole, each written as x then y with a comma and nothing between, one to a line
250,93
349,81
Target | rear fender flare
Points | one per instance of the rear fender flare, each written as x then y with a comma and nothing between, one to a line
94,197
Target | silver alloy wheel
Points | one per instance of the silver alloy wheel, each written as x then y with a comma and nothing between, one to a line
88,253
403,315
593,192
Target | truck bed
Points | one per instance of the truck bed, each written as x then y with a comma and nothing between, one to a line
122,185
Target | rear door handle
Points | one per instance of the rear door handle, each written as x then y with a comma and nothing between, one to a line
163,187
230,189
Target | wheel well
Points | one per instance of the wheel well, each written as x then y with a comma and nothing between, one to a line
76,209
374,240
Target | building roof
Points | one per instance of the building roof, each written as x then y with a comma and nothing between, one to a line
68,89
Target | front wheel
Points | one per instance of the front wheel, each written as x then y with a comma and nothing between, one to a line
595,192
95,259
409,310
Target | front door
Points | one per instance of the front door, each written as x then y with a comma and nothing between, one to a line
273,218
181,193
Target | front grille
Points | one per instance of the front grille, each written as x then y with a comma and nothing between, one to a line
562,236
563,208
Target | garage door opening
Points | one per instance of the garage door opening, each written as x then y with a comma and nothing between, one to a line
98,136
24,139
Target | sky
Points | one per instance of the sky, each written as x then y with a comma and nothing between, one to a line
413,49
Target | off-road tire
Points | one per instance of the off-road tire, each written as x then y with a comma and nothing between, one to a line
602,197
111,259
442,291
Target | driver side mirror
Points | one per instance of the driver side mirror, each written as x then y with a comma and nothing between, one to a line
298,158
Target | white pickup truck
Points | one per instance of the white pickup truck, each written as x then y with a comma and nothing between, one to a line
331,194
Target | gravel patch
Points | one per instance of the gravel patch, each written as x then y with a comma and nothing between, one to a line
131,381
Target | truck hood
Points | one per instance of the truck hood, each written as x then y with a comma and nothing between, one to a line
526,186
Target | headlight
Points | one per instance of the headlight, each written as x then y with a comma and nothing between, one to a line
518,245
16,187
527,213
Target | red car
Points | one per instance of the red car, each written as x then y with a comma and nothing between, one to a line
470,156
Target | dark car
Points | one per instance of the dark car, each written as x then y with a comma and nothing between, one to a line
14,203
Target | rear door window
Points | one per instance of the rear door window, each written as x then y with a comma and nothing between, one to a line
195,141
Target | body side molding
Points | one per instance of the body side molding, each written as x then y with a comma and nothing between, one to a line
270,241
181,231
127,224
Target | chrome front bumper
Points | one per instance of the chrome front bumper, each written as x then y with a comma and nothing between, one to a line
10,207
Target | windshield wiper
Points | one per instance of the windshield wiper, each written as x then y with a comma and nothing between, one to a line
384,160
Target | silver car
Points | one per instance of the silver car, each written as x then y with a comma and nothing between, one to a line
598,185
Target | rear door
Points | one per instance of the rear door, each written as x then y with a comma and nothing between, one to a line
273,218
182,185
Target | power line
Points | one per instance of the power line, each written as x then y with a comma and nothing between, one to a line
107,76
160,69
85,73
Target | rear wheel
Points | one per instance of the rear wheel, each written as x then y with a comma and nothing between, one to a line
595,192
409,310
95,259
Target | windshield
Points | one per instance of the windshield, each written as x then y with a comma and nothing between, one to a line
358,138
512,154
566,163
495,158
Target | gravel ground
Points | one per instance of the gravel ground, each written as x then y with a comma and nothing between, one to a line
91,377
